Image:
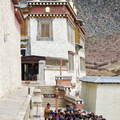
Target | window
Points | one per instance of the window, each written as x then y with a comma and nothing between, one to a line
44,29
71,60
82,64
23,52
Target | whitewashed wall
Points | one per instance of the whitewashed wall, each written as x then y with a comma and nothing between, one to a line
89,95
103,99
59,47
50,76
108,101
10,61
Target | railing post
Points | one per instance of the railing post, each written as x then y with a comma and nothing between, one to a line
28,82
56,99
60,67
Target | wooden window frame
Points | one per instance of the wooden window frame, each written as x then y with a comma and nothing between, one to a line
39,36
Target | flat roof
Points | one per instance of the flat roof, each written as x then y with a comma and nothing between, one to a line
104,80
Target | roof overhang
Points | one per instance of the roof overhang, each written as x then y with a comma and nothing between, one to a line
31,59
19,15
78,46
100,80
49,3
35,59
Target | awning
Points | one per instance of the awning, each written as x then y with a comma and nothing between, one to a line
31,59
35,59
78,46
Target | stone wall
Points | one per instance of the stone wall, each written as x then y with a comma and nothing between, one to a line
9,49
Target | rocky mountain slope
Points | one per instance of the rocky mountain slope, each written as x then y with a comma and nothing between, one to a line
102,24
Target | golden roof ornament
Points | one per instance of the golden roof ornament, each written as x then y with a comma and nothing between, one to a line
71,3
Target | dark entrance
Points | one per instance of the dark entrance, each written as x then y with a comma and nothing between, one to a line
29,71
30,67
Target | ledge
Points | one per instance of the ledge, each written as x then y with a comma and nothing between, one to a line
63,77
73,99
61,87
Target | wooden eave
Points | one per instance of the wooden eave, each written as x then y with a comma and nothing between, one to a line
49,3
31,59
15,1
36,59
19,15
71,10
56,59
81,28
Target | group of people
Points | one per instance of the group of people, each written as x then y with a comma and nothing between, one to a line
70,114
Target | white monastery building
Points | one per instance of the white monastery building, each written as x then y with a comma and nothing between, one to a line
52,42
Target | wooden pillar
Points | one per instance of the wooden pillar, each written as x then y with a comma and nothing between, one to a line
56,100
60,67
41,72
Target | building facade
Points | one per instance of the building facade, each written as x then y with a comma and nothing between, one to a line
101,96
10,58
54,44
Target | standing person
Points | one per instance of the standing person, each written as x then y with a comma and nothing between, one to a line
62,116
47,112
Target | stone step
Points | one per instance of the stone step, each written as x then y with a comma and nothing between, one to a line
47,89
53,105
61,102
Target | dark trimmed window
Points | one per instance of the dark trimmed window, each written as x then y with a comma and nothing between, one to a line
23,52
45,30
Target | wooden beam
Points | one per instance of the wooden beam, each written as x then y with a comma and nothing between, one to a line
19,15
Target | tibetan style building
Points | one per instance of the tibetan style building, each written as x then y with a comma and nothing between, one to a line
52,43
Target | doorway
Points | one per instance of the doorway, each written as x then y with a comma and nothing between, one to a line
29,72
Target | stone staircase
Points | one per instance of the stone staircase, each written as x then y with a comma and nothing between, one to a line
44,94
51,90
47,89
39,102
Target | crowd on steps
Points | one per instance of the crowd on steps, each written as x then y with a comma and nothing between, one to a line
70,114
